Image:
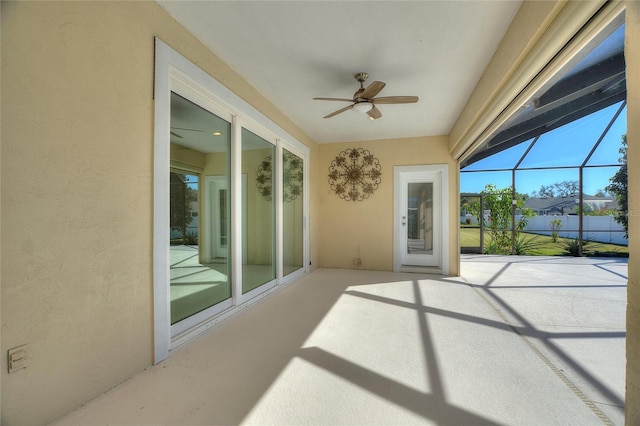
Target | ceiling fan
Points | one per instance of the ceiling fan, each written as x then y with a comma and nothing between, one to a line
182,128
364,100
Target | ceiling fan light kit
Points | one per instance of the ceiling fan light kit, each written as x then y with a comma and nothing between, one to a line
364,99
362,107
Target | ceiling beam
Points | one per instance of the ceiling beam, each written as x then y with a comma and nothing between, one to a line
585,80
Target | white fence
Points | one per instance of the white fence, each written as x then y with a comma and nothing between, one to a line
603,229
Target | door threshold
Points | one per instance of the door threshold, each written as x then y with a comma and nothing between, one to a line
421,269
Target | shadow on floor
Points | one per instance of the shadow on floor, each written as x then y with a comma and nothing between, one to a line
365,347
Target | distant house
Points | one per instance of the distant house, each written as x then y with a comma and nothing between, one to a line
560,206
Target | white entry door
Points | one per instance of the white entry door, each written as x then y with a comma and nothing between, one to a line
420,193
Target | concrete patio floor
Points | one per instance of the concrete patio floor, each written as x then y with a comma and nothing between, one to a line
515,340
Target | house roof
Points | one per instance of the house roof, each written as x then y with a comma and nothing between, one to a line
564,205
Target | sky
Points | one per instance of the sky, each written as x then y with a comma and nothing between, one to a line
567,146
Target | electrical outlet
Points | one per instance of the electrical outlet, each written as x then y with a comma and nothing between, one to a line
17,358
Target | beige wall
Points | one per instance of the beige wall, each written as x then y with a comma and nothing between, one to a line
632,55
364,229
187,159
77,167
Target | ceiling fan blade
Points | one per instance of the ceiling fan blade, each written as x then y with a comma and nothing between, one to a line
333,99
374,113
191,130
338,111
395,100
373,89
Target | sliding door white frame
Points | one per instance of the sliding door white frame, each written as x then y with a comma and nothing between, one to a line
175,73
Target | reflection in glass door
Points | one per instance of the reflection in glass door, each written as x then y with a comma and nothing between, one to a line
217,214
292,212
420,218
199,247
259,241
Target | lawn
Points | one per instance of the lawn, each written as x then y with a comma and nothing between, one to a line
543,245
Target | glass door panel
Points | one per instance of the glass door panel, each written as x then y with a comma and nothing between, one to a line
259,240
292,212
420,218
199,209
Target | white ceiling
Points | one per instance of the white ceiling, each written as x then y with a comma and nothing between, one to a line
292,51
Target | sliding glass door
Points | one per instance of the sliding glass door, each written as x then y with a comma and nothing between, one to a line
258,157
229,203
199,211
292,212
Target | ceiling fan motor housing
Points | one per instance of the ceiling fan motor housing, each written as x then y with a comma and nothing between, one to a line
365,100
361,77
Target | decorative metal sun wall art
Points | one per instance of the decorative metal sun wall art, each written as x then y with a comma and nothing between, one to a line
291,179
355,174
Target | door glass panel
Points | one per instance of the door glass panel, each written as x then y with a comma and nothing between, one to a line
199,209
420,218
258,165
292,223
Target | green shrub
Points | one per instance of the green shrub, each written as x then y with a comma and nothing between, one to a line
191,238
571,246
499,226
527,246
555,225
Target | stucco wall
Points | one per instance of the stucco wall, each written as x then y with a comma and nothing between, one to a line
364,229
632,56
77,151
